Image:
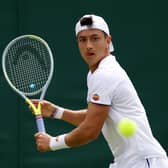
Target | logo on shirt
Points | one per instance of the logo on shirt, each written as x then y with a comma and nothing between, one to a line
95,97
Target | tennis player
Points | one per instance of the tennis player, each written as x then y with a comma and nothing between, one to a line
111,97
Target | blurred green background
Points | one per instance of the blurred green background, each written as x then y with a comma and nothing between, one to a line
139,32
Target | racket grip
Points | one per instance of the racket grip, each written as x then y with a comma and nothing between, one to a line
40,123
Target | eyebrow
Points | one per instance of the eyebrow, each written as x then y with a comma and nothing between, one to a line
88,36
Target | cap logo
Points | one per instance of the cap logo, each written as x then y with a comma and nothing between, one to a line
86,21
96,97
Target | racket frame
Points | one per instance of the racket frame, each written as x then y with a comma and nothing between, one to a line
24,95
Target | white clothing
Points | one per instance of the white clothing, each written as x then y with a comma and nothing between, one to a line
143,163
110,85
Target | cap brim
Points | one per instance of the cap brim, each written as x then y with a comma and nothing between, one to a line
111,47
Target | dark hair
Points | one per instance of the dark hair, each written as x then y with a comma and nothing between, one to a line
86,21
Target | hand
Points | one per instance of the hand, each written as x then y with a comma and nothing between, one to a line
47,108
42,141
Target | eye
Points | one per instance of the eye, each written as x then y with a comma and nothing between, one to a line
82,40
96,38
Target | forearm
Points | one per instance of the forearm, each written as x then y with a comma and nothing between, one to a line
83,134
89,127
74,117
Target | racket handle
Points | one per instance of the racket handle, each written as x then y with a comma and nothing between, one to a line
40,123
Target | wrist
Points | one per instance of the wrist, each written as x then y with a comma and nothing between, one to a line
57,143
57,113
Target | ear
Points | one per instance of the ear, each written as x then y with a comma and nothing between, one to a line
108,38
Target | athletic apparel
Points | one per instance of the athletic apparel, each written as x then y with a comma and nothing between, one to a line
143,163
110,85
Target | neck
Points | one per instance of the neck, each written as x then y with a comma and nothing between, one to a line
94,67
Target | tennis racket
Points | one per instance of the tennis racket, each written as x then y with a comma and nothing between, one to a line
28,66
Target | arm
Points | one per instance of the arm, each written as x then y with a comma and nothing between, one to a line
88,130
74,117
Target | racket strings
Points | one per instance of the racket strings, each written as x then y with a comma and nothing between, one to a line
28,65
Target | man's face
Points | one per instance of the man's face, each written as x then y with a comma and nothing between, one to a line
93,46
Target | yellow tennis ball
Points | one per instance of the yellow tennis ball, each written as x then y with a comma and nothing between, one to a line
127,127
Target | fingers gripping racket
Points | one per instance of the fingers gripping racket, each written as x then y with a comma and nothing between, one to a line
27,64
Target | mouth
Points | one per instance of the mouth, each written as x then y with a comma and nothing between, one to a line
89,54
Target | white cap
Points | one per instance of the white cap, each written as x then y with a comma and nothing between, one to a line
97,23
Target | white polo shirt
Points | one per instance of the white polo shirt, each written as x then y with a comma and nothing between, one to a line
110,85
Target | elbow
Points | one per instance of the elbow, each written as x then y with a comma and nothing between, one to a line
92,134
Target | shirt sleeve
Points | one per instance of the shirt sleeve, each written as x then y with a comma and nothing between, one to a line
101,87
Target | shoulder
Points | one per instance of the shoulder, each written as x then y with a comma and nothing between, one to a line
110,73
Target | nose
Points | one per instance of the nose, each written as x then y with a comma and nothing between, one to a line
89,44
